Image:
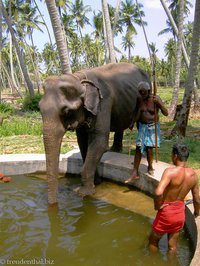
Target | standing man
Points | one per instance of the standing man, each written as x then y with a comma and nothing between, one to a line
173,187
148,105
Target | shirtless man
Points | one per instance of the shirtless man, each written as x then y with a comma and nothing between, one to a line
147,105
173,187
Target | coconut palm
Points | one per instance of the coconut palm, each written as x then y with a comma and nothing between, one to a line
78,13
170,53
174,9
130,16
181,124
127,44
98,34
174,101
49,56
116,18
59,36
108,31
19,53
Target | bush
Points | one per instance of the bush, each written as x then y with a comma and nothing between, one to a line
6,108
31,103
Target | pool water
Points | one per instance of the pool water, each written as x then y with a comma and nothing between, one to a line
109,229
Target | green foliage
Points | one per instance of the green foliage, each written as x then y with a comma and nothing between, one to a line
6,108
20,126
31,103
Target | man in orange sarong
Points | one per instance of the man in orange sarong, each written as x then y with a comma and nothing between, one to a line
170,193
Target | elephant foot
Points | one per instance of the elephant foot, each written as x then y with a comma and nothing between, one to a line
84,191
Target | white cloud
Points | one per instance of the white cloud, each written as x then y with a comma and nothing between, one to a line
152,4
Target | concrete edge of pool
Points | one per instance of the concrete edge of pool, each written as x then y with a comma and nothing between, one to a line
113,166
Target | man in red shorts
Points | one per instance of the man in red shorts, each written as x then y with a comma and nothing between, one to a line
172,189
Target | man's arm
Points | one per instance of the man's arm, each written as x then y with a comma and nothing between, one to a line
196,199
164,182
160,104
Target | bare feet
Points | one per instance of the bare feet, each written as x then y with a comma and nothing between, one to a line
150,171
132,178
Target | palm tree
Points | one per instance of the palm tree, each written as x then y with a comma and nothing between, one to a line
181,124
174,101
169,49
131,15
116,18
174,29
20,56
78,15
79,11
127,44
108,31
98,34
174,9
49,56
59,36
26,23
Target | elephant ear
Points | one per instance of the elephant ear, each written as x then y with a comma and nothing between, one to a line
92,96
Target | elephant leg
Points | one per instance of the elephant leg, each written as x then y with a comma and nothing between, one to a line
97,146
117,143
82,139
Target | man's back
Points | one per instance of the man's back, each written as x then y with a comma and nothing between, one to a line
181,181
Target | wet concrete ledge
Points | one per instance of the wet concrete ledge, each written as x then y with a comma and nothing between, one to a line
113,166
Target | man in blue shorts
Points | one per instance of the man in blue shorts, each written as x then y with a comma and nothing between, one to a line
146,140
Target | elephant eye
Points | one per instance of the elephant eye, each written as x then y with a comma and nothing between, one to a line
67,113
64,110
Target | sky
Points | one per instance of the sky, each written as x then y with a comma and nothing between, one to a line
154,15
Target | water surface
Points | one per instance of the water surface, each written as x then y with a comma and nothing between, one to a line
111,228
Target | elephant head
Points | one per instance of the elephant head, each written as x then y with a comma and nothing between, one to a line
64,106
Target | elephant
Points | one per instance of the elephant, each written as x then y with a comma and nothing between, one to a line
93,102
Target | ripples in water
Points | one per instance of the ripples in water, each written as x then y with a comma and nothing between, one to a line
80,232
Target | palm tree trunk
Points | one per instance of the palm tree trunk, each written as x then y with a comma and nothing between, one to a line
186,58
4,70
116,16
106,53
181,124
59,36
108,31
174,101
14,89
21,59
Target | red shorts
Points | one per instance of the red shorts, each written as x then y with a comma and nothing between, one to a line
171,218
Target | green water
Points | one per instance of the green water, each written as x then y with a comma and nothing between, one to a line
79,232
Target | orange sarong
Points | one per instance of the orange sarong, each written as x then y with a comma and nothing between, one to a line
170,218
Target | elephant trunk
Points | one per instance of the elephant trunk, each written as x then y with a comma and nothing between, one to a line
52,136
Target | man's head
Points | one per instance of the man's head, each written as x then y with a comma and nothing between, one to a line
180,151
144,89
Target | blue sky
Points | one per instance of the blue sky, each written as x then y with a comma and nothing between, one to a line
154,15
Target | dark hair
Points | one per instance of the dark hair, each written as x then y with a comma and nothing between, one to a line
181,150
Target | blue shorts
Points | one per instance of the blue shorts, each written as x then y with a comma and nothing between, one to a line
146,136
